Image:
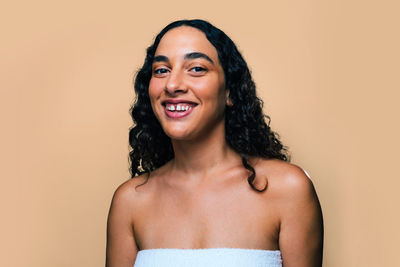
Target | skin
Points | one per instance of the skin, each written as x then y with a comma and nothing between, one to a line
201,198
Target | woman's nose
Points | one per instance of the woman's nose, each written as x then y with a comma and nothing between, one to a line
175,82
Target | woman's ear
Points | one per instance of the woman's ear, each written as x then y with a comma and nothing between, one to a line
228,99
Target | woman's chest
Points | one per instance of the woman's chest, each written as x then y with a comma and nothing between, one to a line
240,219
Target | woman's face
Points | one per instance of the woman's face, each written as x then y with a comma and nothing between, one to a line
187,87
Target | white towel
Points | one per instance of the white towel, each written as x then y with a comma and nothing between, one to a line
218,257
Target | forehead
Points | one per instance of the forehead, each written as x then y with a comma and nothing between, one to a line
182,40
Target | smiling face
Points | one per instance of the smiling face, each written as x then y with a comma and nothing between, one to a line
187,87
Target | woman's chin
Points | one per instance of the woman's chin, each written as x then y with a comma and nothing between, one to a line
179,135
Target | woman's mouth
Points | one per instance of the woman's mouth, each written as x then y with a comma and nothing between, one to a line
178,110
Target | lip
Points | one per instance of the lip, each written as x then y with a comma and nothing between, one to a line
175,101
180,114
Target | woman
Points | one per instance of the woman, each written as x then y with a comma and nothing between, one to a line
212,185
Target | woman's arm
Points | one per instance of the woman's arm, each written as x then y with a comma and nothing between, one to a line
121,245
301,230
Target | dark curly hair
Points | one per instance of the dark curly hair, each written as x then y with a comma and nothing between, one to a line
247,128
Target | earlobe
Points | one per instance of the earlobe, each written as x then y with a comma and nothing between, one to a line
228,99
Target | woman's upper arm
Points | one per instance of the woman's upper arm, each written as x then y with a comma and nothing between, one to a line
121,245
301,229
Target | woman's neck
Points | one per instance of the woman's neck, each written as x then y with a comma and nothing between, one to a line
197,158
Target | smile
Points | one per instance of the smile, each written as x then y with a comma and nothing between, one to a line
178,107
178,110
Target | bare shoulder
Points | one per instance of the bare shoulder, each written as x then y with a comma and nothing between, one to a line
137,193
128,192
299,212
121,244
286,180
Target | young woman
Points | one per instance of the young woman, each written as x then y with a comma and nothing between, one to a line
211,183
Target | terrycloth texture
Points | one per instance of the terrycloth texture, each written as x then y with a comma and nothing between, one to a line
214,257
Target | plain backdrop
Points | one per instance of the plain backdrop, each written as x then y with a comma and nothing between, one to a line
328,72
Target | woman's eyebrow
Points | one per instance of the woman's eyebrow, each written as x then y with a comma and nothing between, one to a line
194,55
187,56
161,59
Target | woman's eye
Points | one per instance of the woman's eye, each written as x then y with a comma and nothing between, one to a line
198,69
160,71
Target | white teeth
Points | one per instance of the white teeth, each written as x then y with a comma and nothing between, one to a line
179,107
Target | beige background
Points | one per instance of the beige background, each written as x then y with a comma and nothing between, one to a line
327,70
